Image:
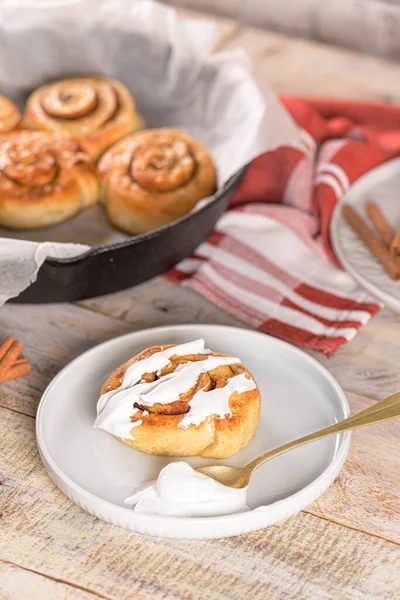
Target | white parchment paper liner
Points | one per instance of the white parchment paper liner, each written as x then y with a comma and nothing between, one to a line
176,81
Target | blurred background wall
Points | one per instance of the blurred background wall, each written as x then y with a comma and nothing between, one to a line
369,26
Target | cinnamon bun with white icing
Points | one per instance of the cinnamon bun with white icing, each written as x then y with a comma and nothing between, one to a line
181,400
154,177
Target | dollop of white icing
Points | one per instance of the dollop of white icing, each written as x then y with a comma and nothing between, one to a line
181,491
115,408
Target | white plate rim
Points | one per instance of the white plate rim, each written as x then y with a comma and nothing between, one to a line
362,182
171,527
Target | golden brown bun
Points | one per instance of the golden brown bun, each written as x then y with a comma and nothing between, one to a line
45,178
214,437
154,177
10,117
95,110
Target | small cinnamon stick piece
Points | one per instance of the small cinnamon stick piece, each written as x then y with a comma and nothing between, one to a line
15,371
371,241
12,353
21,361
381,225
395,243
5,346
10,365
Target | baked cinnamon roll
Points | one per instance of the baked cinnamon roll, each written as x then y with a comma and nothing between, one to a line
10,117
45,178
95,110
181,400
154,177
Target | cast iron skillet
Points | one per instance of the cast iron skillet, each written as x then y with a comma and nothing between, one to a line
106,269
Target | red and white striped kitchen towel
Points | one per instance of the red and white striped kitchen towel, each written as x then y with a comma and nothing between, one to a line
269,261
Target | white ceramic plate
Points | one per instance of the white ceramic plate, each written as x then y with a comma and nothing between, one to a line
98,472
381,185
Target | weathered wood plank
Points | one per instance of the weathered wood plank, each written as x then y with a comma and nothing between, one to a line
159,302
53,335
369,364
306,557
17,583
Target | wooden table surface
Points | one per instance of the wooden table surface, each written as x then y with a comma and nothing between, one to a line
345,545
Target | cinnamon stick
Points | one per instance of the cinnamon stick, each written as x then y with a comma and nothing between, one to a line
16,371
11,355
371,241
395,243
21,361
10,365
381,225
5,346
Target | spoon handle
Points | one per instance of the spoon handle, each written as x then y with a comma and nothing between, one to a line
386,409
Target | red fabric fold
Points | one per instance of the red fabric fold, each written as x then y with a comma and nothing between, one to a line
270,260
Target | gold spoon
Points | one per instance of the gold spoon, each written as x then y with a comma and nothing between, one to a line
238,477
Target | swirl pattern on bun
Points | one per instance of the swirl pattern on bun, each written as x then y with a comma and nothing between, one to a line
154,177
97,111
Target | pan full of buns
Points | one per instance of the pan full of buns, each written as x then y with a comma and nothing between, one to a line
80,142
